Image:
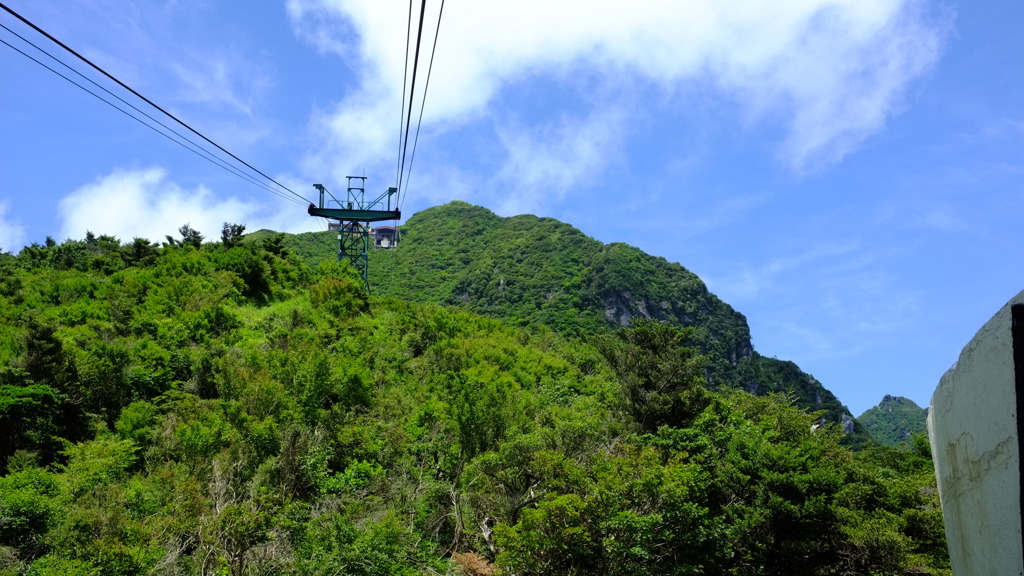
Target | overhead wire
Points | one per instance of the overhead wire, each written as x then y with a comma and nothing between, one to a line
412,92
147,100
199,152
401,123
401,120
423,103
194,148
403,178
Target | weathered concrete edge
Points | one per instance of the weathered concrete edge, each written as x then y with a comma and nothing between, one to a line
976,442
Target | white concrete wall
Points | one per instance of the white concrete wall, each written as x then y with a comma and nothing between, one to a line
972,424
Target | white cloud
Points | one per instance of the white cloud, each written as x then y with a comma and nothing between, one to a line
749,283
831,71
146,204
547,162
841,323
12,234
928,210
214,83
832,300
822,343
710,216
221,80
943,217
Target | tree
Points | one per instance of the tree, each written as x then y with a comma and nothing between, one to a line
190,236
43,356
629,511
663,378
231,234
29,418
140,252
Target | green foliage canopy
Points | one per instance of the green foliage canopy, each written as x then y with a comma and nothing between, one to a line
229,409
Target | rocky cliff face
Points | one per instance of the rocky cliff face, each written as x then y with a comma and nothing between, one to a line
622,307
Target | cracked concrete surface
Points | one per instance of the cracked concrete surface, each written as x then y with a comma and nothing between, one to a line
972,425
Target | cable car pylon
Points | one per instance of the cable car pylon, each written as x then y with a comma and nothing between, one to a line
354,216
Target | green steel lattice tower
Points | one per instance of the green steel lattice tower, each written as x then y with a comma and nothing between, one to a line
354,216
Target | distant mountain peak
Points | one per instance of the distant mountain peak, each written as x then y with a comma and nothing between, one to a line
888,399
894,420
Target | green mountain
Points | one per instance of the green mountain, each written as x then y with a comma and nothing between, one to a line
895,420
225,408
527,271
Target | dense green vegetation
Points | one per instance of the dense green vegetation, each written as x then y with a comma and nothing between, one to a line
531,271
895,420
224,408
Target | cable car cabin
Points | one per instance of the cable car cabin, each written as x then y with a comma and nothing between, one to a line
384,236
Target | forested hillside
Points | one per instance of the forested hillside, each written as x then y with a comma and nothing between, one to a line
895,420
527,271
223,408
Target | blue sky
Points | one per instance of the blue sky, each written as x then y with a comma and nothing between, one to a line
847,174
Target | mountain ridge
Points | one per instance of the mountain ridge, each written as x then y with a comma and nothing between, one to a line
528,270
